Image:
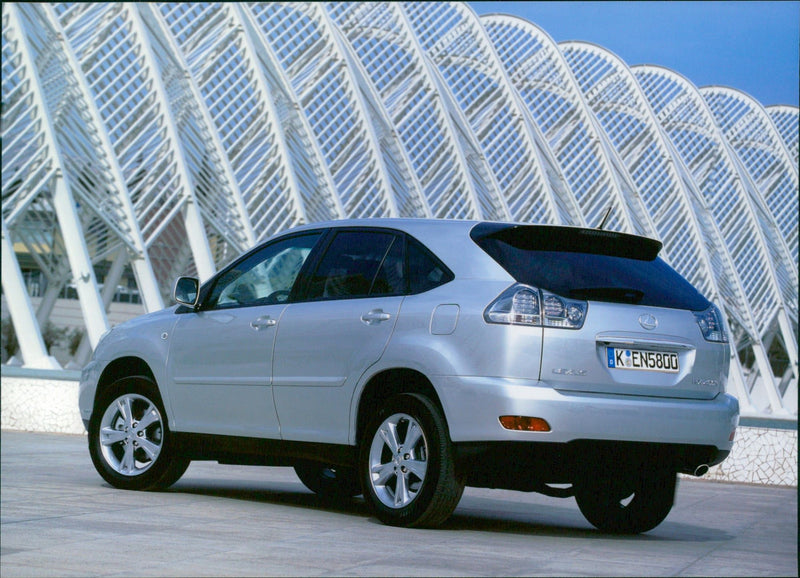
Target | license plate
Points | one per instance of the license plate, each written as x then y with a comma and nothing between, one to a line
642,360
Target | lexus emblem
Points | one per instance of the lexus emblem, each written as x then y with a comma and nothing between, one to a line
648,321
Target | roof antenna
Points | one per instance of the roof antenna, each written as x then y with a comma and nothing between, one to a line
605,218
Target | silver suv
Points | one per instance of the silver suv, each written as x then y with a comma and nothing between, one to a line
405,359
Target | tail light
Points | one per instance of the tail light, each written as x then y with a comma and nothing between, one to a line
711,326
526,305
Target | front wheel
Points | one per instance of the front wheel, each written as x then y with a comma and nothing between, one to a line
407,466
129,441
627,503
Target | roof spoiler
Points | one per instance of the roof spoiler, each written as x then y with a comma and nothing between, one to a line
569,239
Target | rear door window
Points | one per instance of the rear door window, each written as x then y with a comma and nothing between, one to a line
589,265
350,266
360,263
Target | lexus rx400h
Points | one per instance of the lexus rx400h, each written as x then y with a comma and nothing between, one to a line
405,359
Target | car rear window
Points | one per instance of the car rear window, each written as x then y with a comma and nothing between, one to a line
588,264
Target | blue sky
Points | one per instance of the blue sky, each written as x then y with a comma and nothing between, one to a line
751,46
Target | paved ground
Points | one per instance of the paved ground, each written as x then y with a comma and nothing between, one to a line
60,519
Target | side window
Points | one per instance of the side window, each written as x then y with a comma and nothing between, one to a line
424,270
391,278
351,265
265,277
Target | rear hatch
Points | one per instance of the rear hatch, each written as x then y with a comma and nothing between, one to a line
642,327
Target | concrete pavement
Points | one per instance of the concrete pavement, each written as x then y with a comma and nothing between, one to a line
59,518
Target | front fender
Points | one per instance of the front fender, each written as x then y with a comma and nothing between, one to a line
145,338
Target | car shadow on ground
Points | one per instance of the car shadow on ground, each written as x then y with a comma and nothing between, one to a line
474,514
548,522
283,493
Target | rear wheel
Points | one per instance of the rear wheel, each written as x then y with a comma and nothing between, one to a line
129,441
629,503
406,464
328,481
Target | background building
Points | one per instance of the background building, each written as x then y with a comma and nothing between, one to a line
145,141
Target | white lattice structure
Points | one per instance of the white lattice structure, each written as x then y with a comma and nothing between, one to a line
787,123
530,181
751,133
450,171
765,269
545,82
145,141
693,240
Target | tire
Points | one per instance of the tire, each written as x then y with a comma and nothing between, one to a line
406,464
129,438
329,482
617,503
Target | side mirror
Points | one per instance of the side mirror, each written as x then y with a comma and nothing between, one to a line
187,290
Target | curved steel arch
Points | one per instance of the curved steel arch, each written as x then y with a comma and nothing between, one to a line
612,93
314,180
197,120
787,123
409,199
304,46
222,61
694,243
380,37
543,79
748,128
746,226
217,64
38,209
119,66
532,187
214,187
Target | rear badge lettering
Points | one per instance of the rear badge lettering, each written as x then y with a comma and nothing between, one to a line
565,371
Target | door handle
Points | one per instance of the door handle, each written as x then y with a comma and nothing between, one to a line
262,322
375,316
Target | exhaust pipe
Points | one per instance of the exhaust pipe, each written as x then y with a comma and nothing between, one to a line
701,470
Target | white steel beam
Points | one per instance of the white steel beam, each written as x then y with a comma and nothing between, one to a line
64,207
314,181
140,264
759,146
787,123
193,220
308,54
536,67
533,188
743,219
221,201
407,199
381,39
94,313
31,345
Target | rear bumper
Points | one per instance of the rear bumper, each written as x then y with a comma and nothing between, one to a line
529,467
473,406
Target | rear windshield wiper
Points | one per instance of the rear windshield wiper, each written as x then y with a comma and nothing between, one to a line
610,294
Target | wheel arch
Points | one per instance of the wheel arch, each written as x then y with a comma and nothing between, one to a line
130,366
390,382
